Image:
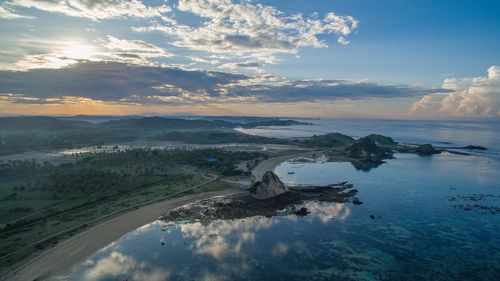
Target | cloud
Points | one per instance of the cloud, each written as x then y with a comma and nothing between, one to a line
148,84
255,66
240,36
95,9
62,53
6,13
245,28
117,264
112,81
280,90
224,238
470,97
136,46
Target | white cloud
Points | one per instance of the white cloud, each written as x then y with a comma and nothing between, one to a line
137,47
118,264
246,28
224,238
95,9
6,13
472,97
56,54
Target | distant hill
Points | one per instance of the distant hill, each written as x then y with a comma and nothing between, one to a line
40,123
27,133
31,123
273,123
215,137
145,123
186,124
95,118
330,140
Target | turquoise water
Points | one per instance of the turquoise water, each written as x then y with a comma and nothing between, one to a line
422,218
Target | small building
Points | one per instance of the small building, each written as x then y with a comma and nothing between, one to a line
211,160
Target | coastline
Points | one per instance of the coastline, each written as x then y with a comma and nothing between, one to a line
61,258
271,163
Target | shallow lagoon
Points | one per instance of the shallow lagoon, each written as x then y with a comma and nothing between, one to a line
422,218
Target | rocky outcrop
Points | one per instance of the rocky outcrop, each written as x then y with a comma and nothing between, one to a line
331,140
426,149
475,147
382,140
367,150
269,187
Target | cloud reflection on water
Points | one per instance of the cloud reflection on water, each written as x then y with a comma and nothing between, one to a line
117,264
214,239
225,238
232,243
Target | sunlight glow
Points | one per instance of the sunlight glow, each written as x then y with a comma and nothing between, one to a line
78,51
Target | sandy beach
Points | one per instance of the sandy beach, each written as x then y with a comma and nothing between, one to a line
59,260
271,163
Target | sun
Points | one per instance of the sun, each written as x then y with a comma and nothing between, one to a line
78,51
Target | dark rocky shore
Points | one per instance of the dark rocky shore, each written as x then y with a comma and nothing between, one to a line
268,197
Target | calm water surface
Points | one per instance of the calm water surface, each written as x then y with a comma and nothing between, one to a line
422,218
438,133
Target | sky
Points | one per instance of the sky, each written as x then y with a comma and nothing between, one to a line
397,59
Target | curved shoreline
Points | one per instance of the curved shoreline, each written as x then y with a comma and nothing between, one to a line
59,260
271,163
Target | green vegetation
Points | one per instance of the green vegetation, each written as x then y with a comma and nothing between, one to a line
365,148
331,140
215,137
38,200
20,134
382,140
19,142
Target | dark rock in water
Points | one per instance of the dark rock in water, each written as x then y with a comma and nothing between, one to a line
269,187
475,147
372,217
356,201
426,149
367,150
301,212
365,165
240,206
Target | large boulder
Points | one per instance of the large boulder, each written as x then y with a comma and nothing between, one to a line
426,149
269,187
366,149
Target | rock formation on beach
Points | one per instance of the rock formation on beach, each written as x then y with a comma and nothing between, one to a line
269,187
268,197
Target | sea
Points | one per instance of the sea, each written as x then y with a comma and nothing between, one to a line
421,218
446,134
